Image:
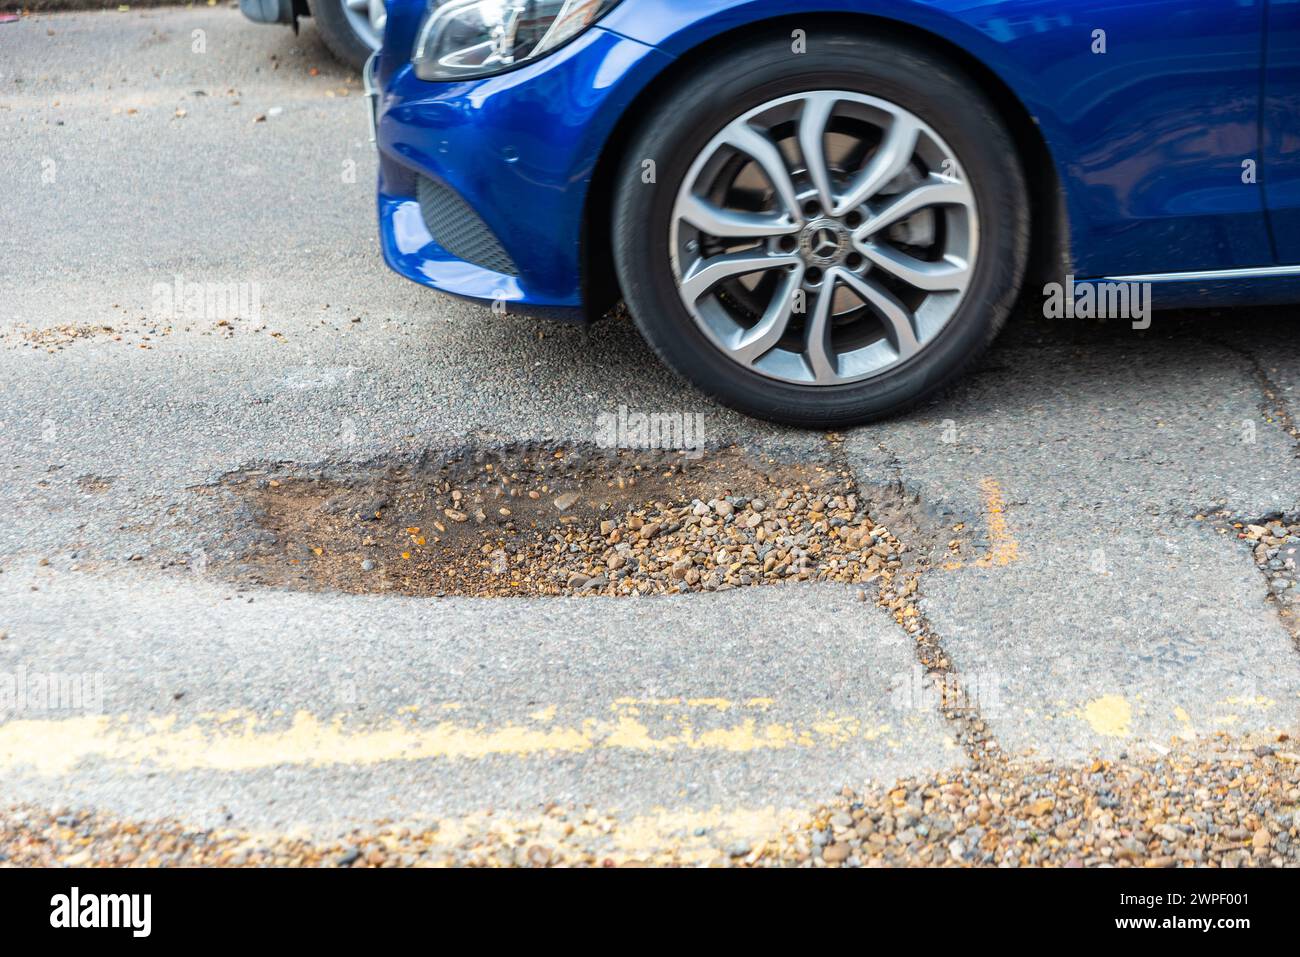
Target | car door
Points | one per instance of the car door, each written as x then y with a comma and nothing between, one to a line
1280,179
1156,106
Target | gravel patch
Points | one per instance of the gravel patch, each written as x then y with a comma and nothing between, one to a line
546,521
1220,803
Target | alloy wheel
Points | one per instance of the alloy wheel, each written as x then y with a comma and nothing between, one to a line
824,238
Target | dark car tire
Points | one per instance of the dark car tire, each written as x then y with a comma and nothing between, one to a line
339,35
686,118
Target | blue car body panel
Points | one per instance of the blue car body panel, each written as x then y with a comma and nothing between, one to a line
1148,138
519,148
1281,129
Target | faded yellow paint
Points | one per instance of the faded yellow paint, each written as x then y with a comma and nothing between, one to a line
1257,703
630,734
1003,548
54,747
241,740
1110,715
747,736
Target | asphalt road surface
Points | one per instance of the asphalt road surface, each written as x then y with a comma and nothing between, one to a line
1096,469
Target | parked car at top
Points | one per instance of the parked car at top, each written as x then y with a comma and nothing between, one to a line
351,29
820,212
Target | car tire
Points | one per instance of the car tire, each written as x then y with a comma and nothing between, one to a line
341,36
750,76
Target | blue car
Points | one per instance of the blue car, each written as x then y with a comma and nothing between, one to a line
821,211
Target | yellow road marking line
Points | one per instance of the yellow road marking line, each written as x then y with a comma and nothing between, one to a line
241,740
1003,548
1115,716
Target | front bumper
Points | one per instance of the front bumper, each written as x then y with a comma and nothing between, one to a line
516,152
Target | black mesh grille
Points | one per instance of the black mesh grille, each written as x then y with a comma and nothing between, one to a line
457,228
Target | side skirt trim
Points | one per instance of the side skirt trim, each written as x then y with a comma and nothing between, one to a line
1210,275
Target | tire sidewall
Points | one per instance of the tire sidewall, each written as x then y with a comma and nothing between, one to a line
675,136
338,32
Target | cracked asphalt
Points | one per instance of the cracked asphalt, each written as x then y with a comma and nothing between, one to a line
1107,617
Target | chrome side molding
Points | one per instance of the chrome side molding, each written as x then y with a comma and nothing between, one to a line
1252,272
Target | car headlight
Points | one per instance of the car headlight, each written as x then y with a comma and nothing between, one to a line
460,39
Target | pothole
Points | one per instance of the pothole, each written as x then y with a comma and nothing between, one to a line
1274,543
549,521
562,522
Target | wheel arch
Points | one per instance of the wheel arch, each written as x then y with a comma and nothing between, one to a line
1049,214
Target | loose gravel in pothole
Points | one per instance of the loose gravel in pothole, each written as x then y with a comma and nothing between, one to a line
559,522
1222,802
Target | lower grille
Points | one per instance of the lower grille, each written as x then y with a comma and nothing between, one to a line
457,228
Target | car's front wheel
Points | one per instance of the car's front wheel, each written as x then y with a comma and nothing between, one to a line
352,29
821,238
